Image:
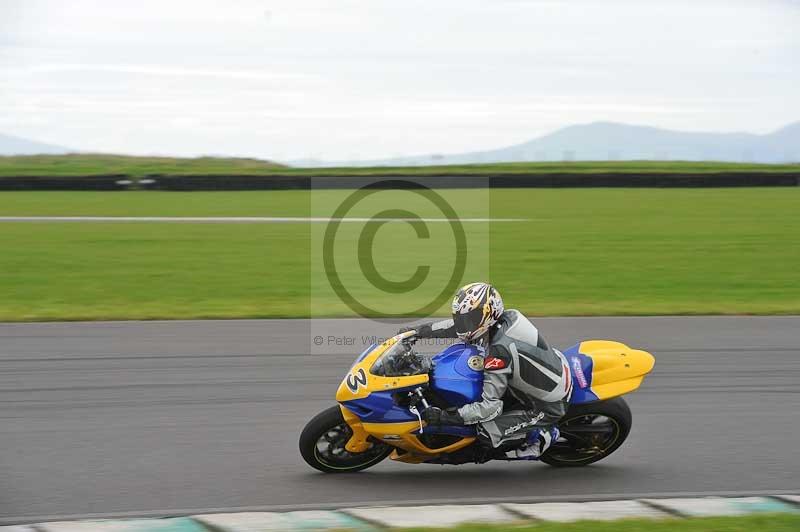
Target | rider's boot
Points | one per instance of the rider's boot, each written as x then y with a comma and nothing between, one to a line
535,444
484,452
479,452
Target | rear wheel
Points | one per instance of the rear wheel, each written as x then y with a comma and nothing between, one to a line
590,432
322,445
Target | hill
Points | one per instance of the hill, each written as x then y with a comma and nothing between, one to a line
609,141
10,145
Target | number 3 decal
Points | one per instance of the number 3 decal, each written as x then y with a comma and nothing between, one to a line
356,380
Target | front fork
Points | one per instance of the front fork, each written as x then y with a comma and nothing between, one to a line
359,441
414,410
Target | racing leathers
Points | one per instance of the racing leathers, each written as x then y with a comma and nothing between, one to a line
526,386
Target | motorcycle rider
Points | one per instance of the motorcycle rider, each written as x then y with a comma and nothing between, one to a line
526,383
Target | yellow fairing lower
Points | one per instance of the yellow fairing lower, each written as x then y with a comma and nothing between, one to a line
400,435
616,368
358,441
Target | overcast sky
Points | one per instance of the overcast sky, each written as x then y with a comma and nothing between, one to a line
365,79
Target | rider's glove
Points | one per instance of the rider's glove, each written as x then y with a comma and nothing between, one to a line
436,416
420,331
410,339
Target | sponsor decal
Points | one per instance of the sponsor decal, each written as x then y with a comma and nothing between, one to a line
494,363
520,426
577,370
475,363
356,380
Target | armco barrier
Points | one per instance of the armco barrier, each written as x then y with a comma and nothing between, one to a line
229,182
556,180
290,182
654,180
95,182
375,518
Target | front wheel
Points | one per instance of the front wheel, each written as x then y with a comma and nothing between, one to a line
590,432
322,445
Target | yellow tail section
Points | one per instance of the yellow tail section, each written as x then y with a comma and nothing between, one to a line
617,369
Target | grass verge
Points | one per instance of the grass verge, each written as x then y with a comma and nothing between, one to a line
762,523
580,252
104,164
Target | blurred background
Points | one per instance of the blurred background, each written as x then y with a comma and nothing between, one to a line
192,192
354,81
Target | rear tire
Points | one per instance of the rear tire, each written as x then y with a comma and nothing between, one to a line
322,445
598,429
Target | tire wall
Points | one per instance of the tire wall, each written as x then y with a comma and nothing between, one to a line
277,182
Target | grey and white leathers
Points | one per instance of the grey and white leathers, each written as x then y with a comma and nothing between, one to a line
526,383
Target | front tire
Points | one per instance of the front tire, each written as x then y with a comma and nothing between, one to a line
322,445
590,432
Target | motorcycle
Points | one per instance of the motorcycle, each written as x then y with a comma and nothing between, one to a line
382,396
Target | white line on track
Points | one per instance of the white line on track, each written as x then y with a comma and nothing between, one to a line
242,219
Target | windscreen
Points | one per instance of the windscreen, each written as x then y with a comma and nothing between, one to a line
400,361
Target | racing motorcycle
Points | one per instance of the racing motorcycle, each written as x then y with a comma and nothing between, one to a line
382,396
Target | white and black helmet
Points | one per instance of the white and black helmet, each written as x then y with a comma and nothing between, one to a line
476,307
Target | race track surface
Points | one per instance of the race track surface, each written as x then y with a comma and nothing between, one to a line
158,418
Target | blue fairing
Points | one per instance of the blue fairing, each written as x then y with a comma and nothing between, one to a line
580,366
453,379
379,407
458,384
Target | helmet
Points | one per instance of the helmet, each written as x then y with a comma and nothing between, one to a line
476,307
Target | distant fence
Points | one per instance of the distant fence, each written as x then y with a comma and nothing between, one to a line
95,182
554,180
278,182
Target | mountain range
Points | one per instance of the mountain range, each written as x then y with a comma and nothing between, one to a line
10,145
602,141
597,141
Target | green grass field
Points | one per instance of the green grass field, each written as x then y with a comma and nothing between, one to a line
104,164
748,523
580,252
